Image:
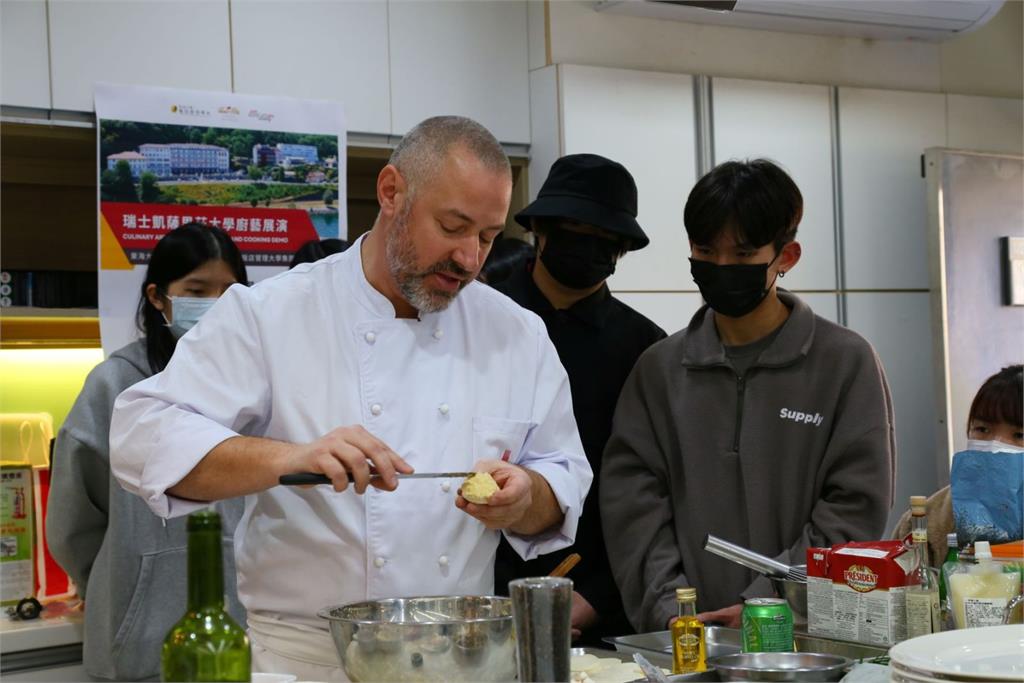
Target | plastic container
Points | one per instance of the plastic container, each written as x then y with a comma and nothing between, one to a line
980,588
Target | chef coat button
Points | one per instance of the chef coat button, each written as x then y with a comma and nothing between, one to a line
438,333
446,486
370,337
376,409
443,408
378,562
443,560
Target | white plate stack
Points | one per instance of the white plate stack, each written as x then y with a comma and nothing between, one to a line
992,653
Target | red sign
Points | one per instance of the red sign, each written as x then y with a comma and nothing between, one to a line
264,236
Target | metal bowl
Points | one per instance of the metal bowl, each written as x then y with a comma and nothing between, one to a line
795,593
780,666
450,638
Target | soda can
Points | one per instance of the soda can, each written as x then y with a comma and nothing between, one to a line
767,625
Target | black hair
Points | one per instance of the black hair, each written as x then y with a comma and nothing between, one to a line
508,255
755,197
314,250
177,254
999,399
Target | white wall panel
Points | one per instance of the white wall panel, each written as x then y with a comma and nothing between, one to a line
171,43
790,124
462,57
898,325
349,63
882,135
643,120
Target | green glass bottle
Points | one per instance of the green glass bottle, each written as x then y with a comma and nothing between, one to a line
206,644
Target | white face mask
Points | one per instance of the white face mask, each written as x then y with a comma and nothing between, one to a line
992,446
187,310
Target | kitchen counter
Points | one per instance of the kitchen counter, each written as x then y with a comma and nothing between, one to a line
42,649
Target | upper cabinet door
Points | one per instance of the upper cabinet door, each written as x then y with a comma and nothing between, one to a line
24,61
789,124
171,43
985,124
348,62
467,58
643,120
882,135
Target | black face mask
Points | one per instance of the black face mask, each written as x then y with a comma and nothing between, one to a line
732,290
578,261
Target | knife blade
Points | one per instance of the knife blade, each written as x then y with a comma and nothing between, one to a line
308,478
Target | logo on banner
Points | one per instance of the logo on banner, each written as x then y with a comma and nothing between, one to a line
188,110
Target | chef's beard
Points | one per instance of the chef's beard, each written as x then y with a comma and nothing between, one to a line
402,262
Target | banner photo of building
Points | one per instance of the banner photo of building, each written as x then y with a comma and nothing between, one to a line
269,171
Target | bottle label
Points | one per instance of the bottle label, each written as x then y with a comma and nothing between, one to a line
984,611
920,535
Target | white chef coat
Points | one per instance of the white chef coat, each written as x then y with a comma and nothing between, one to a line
316,348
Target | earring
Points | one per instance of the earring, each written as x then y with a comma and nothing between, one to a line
782,273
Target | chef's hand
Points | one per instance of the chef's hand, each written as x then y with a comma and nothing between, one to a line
350,451
727,616
583,615
506,506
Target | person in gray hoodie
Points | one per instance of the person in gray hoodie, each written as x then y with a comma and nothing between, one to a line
760,422
128,564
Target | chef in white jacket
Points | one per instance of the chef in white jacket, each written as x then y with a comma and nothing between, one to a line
387,357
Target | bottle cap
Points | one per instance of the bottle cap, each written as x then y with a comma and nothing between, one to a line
204,520
686,594
952,541
917,505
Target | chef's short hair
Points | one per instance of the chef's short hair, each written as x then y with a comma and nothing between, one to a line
424,149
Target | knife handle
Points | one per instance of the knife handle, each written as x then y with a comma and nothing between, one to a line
303,479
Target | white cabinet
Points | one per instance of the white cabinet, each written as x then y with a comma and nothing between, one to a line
882,135
645,121
463,57
320,50
790,124
985,124
898,325
545,140
24,54
174,43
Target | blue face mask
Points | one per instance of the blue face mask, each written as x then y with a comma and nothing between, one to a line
187,310
988,492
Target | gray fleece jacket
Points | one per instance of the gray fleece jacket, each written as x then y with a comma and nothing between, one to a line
129,566
798,452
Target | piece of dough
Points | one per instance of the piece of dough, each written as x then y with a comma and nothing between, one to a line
479,487
582,662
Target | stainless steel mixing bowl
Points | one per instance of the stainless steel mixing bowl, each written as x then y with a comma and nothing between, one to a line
780,666
450,638
795,593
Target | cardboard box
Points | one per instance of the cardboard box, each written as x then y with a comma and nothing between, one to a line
856,592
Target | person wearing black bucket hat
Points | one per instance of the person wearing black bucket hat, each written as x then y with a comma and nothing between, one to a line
584,220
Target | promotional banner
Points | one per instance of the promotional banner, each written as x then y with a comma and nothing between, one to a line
269,171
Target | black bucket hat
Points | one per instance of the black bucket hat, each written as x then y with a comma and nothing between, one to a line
590,189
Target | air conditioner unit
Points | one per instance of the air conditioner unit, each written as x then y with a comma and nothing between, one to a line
931,20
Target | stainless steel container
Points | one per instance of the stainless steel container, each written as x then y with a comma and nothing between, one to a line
795,593
780,666
450,638
542,607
